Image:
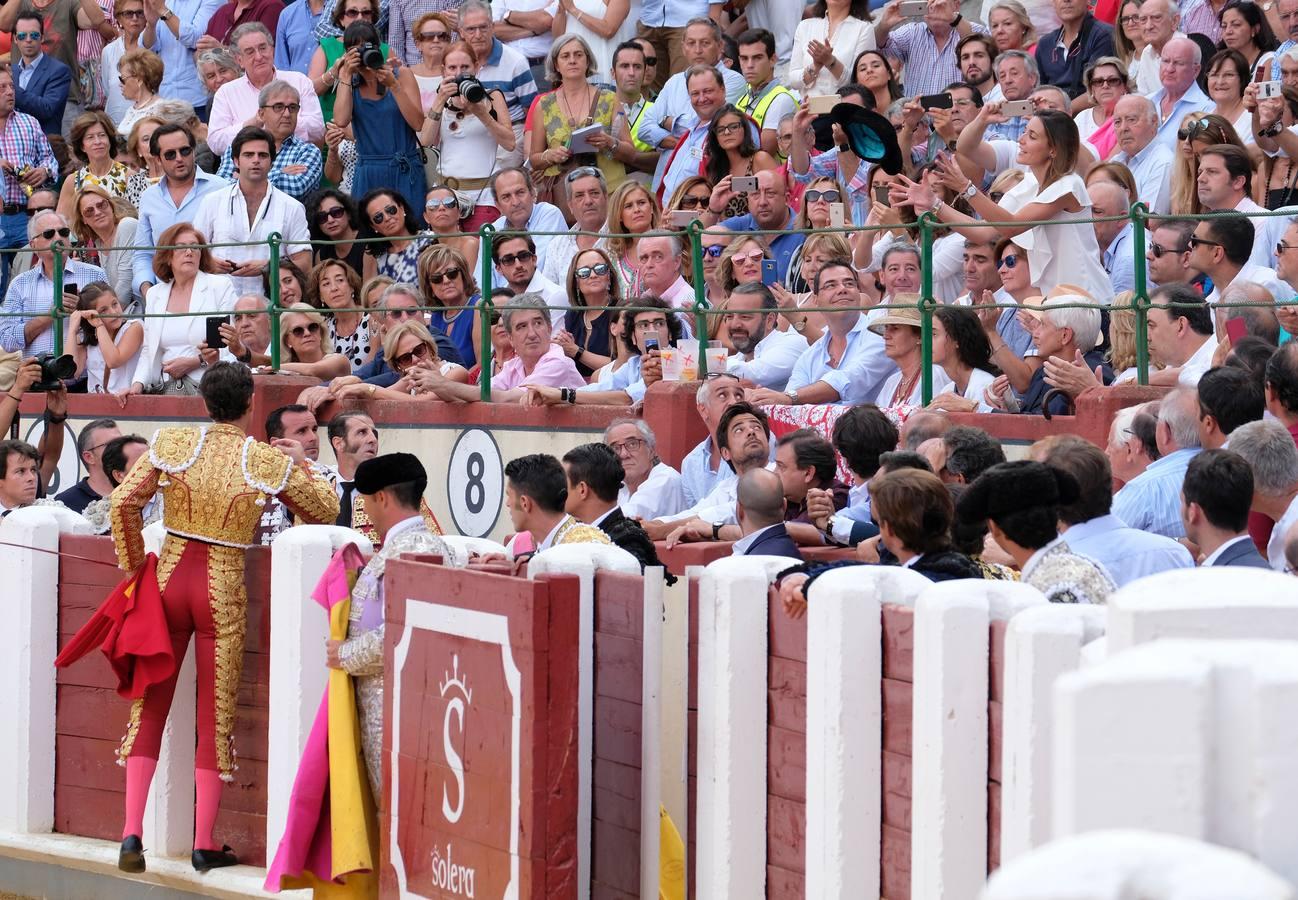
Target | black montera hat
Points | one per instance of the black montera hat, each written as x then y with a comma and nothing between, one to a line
1015,486
380,472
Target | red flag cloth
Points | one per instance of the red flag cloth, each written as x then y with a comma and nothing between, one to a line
130,628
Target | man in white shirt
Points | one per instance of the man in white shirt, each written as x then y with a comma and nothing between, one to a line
524,26
587,194
764,355
515,259
1135,123
1268,447
1181,336
1225,179
516,198
252,209
650,487
236,103
1220,248
1160,21
702,469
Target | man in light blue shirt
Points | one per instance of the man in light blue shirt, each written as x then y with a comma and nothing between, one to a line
847,363
175,36
1152,500
173,199
673,117
1180,94
1114,238
516,198
702,469
295,40
1135,123
1091,529
764,354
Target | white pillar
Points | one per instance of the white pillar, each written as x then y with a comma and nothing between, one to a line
299,628
651,728
1041,644
28,644
949,757
583,560
731,800
844,726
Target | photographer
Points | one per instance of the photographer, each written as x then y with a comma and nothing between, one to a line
382,106
48,449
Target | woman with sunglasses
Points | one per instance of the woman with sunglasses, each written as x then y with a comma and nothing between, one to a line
691,196
1245,30
93,140
449,287
140,75
741,263
432,32
1011,266
1106,84
386,214
442,213
327,61
332,216
826,43
1197,131
409,345
305,345
729,151
594,289
100,220
336,289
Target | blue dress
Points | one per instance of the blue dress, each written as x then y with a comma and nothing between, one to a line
387,151
460,331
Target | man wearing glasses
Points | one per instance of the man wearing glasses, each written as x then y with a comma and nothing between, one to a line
41,81
173,199
515,259
237,103
298,165
90,448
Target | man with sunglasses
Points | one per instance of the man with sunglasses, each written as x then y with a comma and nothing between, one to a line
41,81
1168,258
515,259
96,484
29,294
173,199
1220,248
298,165
587,194
40,200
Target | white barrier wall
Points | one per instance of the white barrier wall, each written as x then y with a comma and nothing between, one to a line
1118,865
1186,737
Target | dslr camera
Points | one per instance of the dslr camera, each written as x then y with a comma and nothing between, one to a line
371,55
471,89
54,369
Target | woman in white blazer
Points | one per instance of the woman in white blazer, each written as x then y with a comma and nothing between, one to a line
169,361
827,43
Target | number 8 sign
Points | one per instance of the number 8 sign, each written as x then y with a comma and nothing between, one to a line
475,483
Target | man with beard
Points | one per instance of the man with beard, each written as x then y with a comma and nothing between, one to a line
764,355
975,53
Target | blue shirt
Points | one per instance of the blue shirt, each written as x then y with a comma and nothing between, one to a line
934,68
1152,169
292,152
1126,553
158,213
32,294
1119,262
295,40
783,245
861,371
506,70
1152,500
25,71
180,80
675,13
698,478
626,379
1193,100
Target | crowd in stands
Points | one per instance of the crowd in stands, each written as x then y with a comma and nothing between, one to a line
158,145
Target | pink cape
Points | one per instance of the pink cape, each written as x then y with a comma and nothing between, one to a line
307,844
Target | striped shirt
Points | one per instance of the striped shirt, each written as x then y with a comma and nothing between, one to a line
22,141
506,70
1152,500
293,152
32,294
932,69
1198,17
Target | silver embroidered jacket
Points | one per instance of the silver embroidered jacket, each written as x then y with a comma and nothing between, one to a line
1065,577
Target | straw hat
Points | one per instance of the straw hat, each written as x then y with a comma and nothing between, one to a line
897,314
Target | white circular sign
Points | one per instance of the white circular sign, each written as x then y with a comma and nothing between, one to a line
475,483
69,468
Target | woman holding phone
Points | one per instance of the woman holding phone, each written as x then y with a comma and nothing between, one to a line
729,152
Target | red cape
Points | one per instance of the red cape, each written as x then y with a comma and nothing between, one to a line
130,627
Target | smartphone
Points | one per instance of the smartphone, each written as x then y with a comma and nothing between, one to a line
1269,90
681,218
823,104
1015,108
913,9
650,344
881,193
1237,329
744,184
936,101
214,340
70,287
836,215
770,274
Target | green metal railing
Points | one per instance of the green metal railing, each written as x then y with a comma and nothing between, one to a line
927,225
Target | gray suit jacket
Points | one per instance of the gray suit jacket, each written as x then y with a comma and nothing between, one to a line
1242,553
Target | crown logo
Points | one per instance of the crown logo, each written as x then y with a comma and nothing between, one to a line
454,679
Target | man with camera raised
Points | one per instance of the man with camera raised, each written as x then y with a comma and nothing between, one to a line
25,471
31,292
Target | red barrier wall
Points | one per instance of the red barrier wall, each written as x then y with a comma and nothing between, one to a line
786,755
90,718
898,668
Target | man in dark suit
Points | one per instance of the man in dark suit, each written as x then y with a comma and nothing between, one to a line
41,82
759,507
594,476
1215,499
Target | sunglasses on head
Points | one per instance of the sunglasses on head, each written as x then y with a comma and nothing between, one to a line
48,233
451,274
382,214
651,60
1008,262
182,152
581,172
599,269
325,215
831,196
301,331
1194,129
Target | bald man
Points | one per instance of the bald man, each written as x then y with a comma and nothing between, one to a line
759,507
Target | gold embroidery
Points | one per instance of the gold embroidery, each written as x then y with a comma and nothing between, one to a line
230,620
362,523
132,729
573,532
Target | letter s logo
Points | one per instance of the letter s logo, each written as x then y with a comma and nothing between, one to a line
454,708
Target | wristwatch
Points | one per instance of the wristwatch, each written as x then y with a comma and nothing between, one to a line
969,192
166,15
1272,130
793,395
716,530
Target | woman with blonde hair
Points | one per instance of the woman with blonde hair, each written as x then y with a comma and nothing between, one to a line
691,196
1011,27
1122,338
632,210
407,345
1128,34
101,220
741,262
1198,130
373,289
305,344
815,251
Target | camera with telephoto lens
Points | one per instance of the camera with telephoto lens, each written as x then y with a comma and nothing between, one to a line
371,56
54,369
471,89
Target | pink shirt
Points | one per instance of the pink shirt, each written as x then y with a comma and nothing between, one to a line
553,369
237,101
680,294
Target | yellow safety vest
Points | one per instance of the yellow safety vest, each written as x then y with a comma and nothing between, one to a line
635,124
757,111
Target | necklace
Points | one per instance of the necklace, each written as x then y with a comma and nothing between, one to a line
567,108
903,389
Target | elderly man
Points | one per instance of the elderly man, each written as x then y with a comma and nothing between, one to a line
764,355
248,336
769,210
1178,93
237,103
173,199
1160,22
1135,123
1085,40
515,259
536,360
1268,448
298,165
1152,500
42,81
28,326
22,144
650,487
587,196
660,255
1017,76
674,113
846,364
502,69
930,44
252,209
683,147
1113,238
1289,32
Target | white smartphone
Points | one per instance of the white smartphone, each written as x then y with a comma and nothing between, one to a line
743,184
1269,90
836,216
823,103
1014,108
681,218
913,9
